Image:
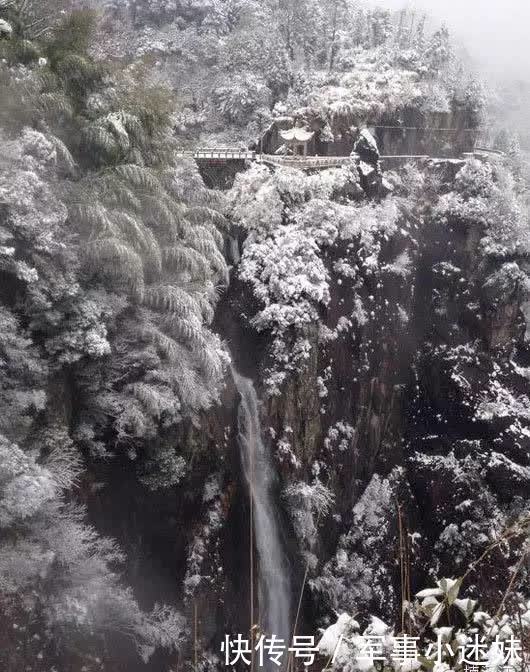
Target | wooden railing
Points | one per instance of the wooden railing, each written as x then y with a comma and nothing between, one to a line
305,162
223,154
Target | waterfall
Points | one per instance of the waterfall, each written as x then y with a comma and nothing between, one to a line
274,586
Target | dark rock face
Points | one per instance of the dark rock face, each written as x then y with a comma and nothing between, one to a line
401,436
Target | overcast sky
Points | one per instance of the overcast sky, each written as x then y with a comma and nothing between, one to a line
495,32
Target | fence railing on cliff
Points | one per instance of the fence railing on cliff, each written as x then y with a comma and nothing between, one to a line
219,153
306,162
216,155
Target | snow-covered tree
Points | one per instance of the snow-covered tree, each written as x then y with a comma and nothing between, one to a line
438,51
59,566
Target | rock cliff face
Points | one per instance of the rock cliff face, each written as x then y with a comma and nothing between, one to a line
406,406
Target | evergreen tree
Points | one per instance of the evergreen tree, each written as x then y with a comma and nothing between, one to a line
438,52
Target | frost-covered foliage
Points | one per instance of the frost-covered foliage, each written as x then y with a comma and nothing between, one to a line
451,633
307,505
339,437
203,564
35,252
127,262
295,223
29,19
58,565
360,573
476,521
238,100
485,196
170,262
23,377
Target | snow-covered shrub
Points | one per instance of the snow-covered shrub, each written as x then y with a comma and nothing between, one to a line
360,572
203,563
284,451
339,437
476,520
308,505
288,277
164,469
239,97
35,222
485,195
6,29
478,637
22,376
401,266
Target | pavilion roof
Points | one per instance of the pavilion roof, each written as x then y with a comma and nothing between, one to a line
297,133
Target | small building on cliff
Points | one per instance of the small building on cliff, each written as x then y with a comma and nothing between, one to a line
296,140
308,133
303,136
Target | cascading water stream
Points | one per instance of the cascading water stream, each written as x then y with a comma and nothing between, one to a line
274,585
